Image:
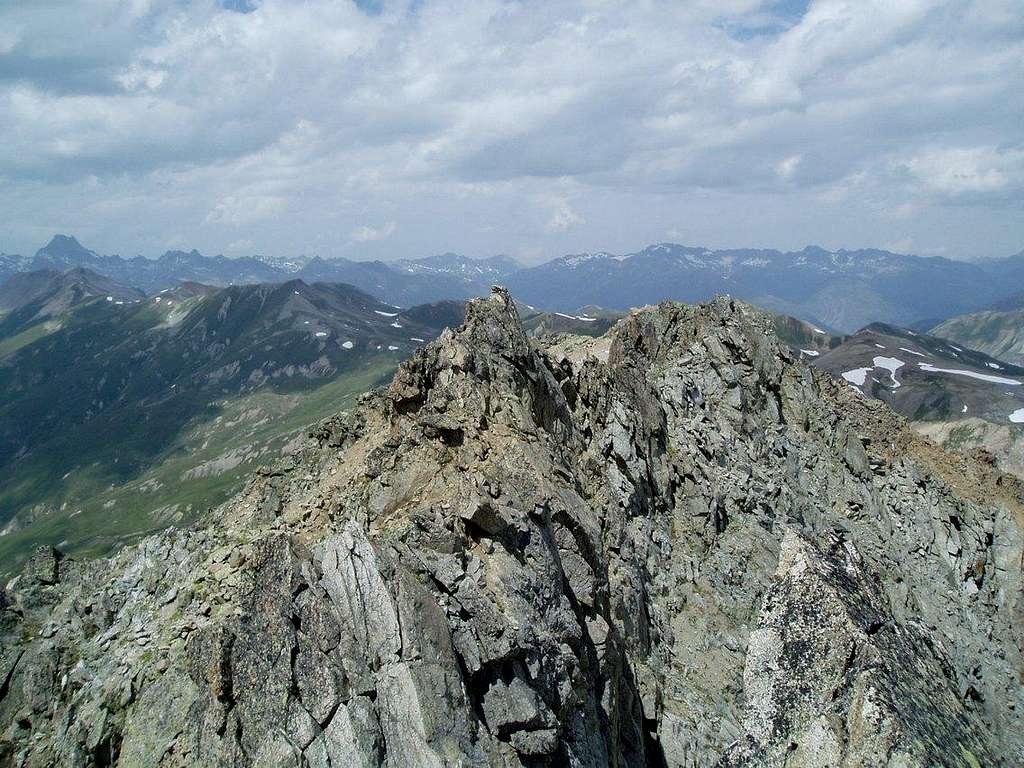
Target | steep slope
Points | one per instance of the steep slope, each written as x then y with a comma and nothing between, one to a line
59,291
33,304
584,321
927,378
699,552
806,340
964,400
998,331
118,395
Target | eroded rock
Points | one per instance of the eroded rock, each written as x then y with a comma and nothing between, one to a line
686,549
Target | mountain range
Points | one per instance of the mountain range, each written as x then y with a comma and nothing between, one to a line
840,290
121,412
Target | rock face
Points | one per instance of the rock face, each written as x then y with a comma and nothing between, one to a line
695,552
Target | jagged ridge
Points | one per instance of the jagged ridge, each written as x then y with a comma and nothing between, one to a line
699,551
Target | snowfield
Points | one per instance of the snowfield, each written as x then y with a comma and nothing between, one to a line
891,364
857,376
929,368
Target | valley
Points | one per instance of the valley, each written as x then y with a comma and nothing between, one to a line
124,413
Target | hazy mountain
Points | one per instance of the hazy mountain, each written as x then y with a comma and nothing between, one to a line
105,393
998,331
696,552
841,290
586,321
415,281
57,291
844,290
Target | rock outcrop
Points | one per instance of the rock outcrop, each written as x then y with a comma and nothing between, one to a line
694,551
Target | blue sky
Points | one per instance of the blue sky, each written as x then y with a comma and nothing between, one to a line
384,129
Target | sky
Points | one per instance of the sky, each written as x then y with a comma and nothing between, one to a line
402,128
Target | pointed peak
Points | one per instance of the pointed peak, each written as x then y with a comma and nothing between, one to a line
64,246
495,319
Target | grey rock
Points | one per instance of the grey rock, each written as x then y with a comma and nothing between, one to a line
694,551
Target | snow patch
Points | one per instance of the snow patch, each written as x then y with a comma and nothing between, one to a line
386,314
392,347
810,352
929,368
912,352
347,344
413,338
1017,417
891,364
857,376
321,334
993,365
584,318
396,325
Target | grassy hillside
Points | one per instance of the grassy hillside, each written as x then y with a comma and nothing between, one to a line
118,418
87,512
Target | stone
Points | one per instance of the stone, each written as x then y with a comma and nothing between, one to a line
685,548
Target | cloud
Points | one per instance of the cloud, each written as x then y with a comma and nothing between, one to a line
464,123
564,218
959,171
237,210
366,234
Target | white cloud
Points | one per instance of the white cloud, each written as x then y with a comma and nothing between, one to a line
463,124
564,217
237,210
965,170
366,234
787,167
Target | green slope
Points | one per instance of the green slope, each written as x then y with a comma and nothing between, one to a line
208,461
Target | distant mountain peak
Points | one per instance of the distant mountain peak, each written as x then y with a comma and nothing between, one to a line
64,246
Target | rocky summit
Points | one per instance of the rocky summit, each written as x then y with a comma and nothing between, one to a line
675,545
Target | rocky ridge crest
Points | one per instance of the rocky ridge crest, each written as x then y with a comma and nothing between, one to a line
696,552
